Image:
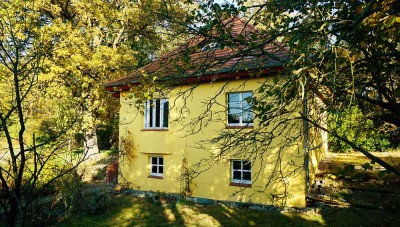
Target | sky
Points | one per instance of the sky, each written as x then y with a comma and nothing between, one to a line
223,1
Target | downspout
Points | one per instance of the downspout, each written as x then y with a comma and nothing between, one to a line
306,140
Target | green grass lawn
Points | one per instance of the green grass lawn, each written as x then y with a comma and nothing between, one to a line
127,210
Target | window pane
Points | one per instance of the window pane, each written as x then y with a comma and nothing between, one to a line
246,176
246,96
154,160
236,164
160,169
246,165
160,161
236,175
240,108
247,114
151,113
247,117
157,108
154,169
165,117
234,108
233,97
233,118
145,115
247,106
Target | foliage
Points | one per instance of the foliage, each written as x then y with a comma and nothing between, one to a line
108,134
29,149
70,189
343,53
355,127
53,56
97,201
72,197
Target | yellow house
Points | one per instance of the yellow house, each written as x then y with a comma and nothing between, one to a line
198,131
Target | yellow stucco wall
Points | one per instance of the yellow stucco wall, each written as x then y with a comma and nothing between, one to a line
178,143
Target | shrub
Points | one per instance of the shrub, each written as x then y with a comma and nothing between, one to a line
96,201
70,189
355,127
76,199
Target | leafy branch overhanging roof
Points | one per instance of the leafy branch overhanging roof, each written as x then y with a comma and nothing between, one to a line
242,52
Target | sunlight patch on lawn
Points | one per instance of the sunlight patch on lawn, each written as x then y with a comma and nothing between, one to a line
192,216
126,215
228,212
169,215
313,217
228,209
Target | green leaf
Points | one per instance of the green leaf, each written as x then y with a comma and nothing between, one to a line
366,166
382,173
390,20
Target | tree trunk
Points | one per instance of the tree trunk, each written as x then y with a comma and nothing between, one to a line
12,215
90,143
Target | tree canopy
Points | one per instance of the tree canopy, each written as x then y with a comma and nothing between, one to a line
345,53
54,56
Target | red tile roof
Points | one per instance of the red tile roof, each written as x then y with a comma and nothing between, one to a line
191,63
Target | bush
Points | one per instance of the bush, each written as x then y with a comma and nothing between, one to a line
355,127
76,199
108,135
96,201
70,192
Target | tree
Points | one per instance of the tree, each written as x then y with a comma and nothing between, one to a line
101,41
26,41
56,54
344,53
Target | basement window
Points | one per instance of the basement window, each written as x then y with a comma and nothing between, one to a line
241,172
156,166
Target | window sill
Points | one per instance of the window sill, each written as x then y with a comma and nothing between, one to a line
240,127
155,177
154,129
240,185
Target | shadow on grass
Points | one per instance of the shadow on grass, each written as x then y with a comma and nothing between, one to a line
126,210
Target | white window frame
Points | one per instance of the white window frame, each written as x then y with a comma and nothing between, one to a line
241,108
158,165
153,117
241,181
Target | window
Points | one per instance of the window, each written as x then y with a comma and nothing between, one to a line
156,114
239,109
157,166
241,171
